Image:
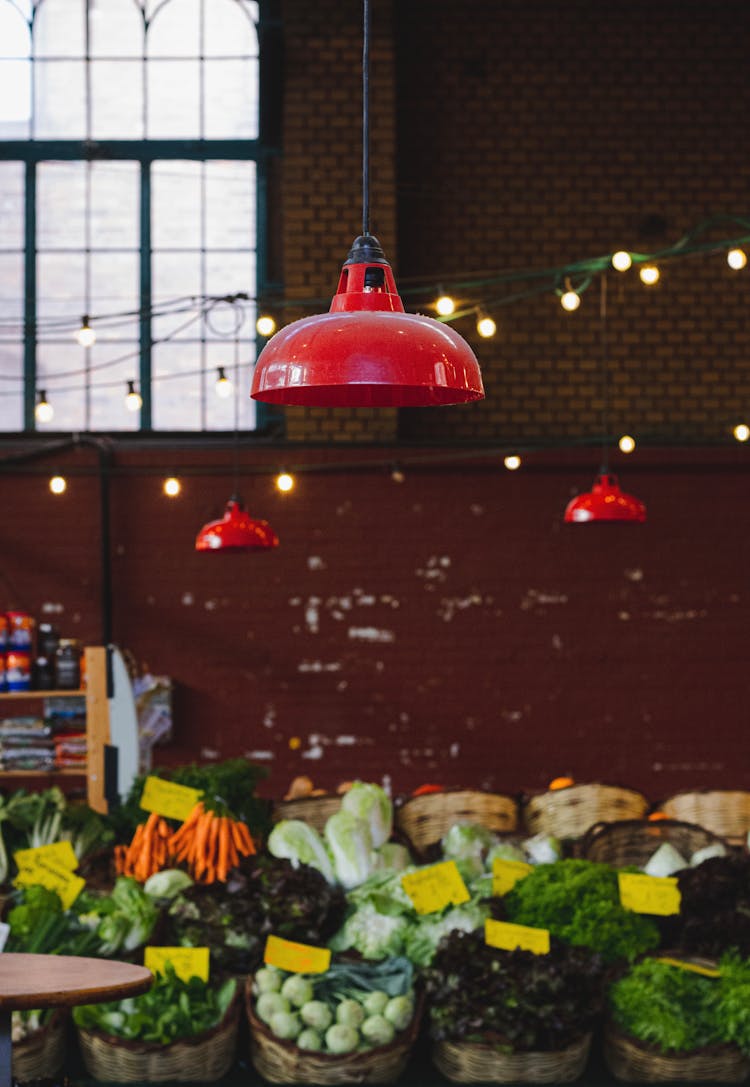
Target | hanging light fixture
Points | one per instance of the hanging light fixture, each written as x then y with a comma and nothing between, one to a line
366,351
605,501
43,411
236,531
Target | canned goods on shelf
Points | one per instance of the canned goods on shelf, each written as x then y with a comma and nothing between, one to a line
68,665
17,670
3,632
20,629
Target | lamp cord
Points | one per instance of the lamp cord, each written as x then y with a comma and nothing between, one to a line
605,374
366,118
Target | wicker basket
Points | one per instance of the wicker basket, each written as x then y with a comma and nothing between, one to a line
314,810
202,1059
634,1062
569,812
425,819
477,1062
283,1062
634,841
724,811
41,1055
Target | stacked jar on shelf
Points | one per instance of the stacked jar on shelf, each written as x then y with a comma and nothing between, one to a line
46,663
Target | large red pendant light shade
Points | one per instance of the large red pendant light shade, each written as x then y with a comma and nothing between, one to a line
366,351
605,502
236,531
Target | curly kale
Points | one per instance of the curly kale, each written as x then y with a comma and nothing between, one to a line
715,906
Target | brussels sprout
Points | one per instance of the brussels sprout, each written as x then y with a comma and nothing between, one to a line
341,1038
350,1013
399,1011
377,1030
268,1004
285,1025
267,980
374,1003
317,1014
297,989
309,1039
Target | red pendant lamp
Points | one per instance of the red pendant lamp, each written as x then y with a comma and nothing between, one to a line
366,351
236,531
605,502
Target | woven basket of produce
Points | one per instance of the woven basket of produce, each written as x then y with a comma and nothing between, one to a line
475,1062
633,1062
569,812
39,1053
726,812
200,1058
635,841
314,810
425,819
338,1029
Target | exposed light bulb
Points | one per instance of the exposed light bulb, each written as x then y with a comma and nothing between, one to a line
445,305
133,399
265,325
223,384
85,334
171,487
626,444
621,260
570,300
43,412
736,259
486,327
58,484
284,481
397,474
649,274
741,432
512,462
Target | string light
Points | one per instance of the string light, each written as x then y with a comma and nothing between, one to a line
265,325
397,474
223,384
741,432
737,259
649,274
486,327
621,260
284,481
58,484
512,462
445,305
85,334
626,444
171,487
570,300
43,412
133,399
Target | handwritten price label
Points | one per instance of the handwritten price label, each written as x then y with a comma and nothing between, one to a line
59,853
296,958
50,866
433,888
649,894
188,962
508,937
693,967
168,799
506,874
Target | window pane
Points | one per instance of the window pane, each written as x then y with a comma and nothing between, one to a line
220,411
61,205
231,103
11,205
60,100
116,31
60,28
15,99
230,205
176,396
11,392
109,385
175,204
175,31
60,290
115,205
230,28
175,275
173,99
228,273
114,290
116,99
61,371
11,295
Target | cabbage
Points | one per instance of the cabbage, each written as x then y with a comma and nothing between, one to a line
665,861
167,884
505,851
372,804
466,841
374,935
708,851
350,842
300,843
392,857
422,939
543,849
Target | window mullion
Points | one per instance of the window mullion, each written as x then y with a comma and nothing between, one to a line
29,352
145,298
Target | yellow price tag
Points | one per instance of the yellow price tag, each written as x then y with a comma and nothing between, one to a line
649,894
168,799
506,874
58,853
188,962
433,888
694,967
47,873
296,958
508,937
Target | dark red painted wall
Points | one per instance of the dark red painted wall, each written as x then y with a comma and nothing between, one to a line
447,628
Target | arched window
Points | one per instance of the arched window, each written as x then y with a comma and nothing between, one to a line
132,178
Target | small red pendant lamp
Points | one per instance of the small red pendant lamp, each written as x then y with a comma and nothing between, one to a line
605,502
366,351
236,531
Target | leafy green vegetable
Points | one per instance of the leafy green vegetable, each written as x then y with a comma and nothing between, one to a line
423,938
734,1000
123,920
38,924
350,842
371,803
374,935
715,906
298,842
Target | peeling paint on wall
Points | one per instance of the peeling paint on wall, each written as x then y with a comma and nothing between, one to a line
449,605
210,753
48,608
536,598
187,599
315,562
259,756
678,615
269,716
319,666
634,575
435,568
370,634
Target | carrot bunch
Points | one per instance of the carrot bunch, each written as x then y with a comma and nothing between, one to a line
210,844
148,852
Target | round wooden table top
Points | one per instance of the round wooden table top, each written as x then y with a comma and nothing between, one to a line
53,981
